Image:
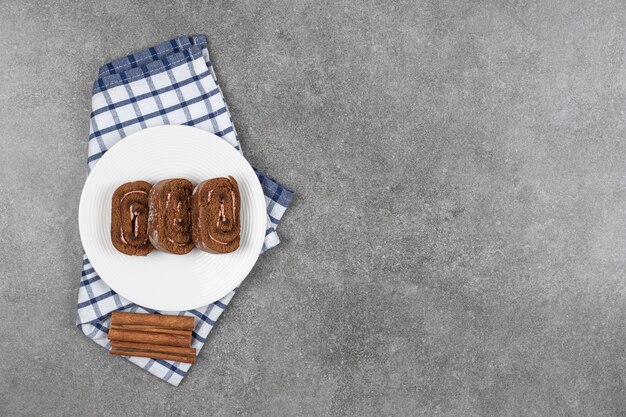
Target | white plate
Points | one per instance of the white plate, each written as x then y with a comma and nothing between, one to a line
163,281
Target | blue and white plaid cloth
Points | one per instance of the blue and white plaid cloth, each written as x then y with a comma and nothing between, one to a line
171,83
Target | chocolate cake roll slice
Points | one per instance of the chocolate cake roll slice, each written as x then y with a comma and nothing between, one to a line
215,212
129,218
169,223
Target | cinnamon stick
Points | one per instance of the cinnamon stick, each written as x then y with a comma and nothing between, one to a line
187,351
151,338
154,320
149,329
154,355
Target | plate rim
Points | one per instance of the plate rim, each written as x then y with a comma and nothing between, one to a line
111,154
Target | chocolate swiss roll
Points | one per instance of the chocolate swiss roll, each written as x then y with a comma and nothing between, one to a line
129,218
169,223
215,212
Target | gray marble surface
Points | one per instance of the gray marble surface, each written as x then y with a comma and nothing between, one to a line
457,244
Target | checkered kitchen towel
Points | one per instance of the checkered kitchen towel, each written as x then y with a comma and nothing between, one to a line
171,83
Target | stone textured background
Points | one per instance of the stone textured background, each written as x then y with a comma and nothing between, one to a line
457,246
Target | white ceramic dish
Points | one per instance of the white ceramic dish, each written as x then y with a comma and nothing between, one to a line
160,280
